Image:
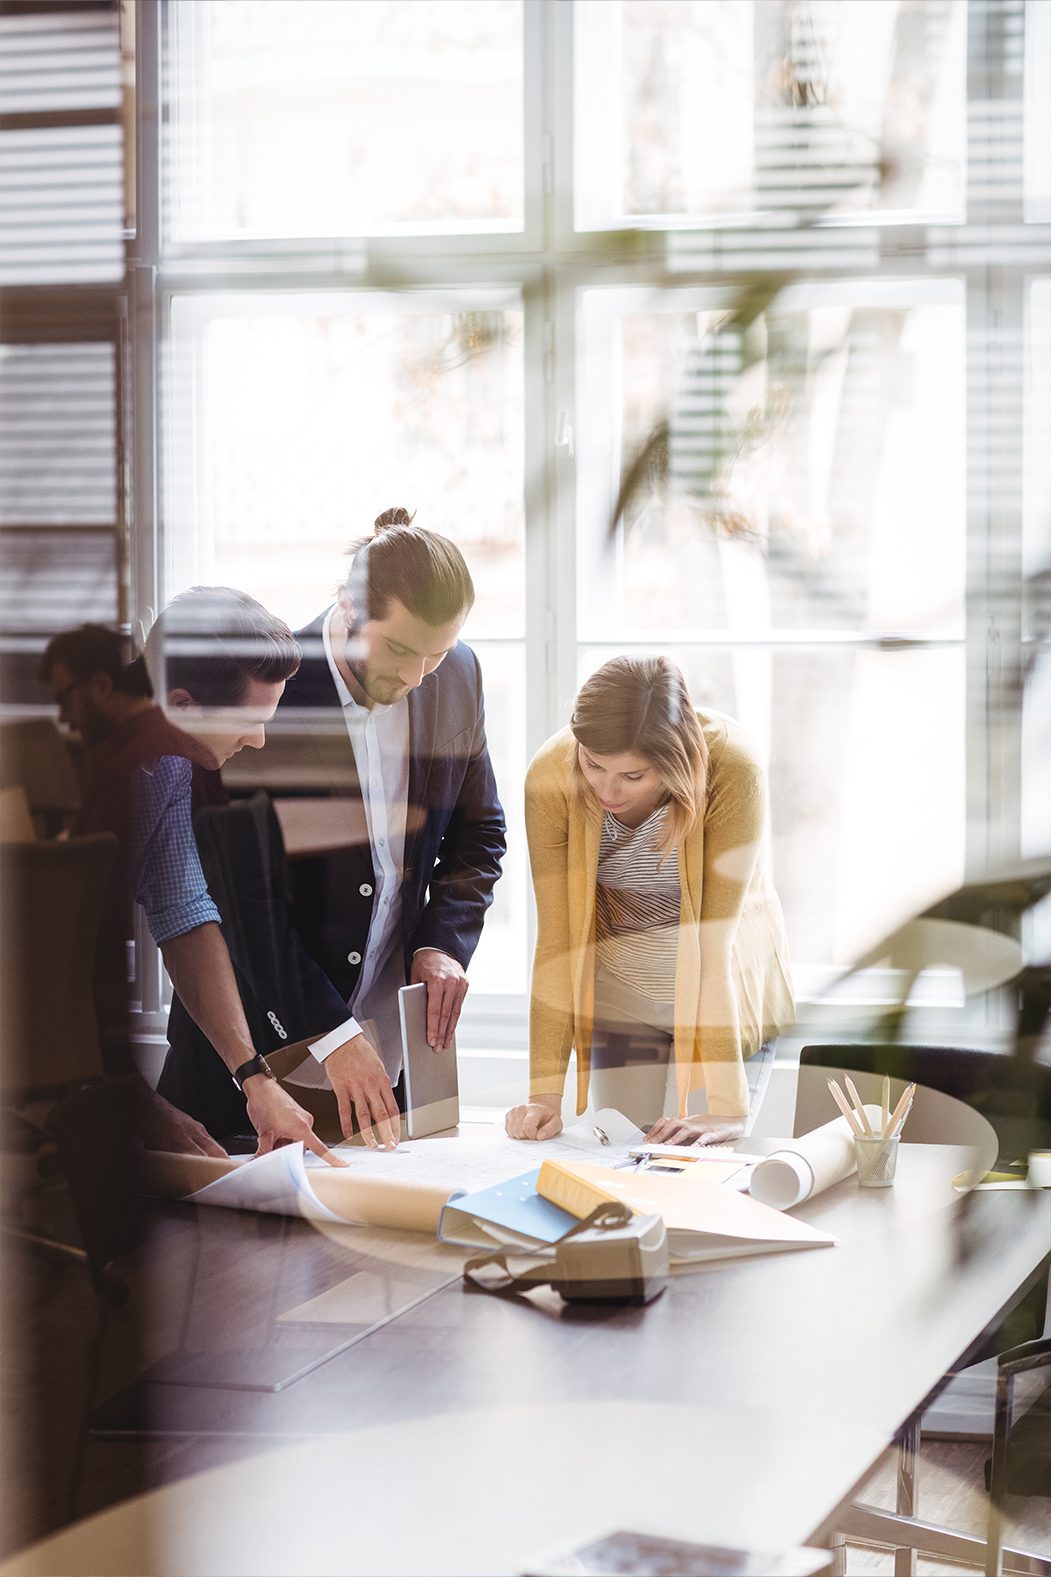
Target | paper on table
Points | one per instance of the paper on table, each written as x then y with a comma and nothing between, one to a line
810,1164
584,1135
467,1161
280,1184
403,1188
276,1183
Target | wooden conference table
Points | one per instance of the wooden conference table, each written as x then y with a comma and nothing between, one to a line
464,1433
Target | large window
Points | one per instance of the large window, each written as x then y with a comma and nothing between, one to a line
705,327
810,495
305,118
709,109
294,418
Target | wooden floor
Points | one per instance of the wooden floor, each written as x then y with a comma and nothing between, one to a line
951,1491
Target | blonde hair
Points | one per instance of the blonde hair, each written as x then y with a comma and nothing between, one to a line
641,705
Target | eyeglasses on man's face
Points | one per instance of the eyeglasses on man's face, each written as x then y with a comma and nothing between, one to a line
63,695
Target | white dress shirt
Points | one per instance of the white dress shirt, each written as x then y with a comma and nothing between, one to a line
379,737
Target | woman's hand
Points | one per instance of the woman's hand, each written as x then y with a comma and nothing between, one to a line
695,1130
537,1119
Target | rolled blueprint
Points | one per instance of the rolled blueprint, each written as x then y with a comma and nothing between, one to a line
810,1164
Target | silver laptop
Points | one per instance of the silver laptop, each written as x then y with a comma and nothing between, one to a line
432,1094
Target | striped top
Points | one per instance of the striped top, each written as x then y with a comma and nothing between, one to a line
637,905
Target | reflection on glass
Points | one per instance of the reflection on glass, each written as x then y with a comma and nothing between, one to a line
318,117
1036,777
1036,652
1036,540
1037,114
865,754
500,963
1035,838
295,419
724,108
811,474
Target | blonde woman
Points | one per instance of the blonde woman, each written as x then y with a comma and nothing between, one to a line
661,954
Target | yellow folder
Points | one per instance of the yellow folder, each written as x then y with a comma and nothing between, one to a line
704,1219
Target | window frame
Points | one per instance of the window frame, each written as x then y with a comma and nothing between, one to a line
551,263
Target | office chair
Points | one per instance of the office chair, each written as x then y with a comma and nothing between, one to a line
1002,1108
16,821
907,1535
991,1103
960,1094
54,895
92,1130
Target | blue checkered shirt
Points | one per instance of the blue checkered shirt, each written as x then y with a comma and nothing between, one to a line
169,882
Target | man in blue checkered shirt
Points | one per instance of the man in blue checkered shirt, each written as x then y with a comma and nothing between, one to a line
170,884
221,661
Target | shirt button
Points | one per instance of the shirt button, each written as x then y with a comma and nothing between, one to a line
353,958
365,889
383,843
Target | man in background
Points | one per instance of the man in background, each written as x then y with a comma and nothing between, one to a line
393,701
110,707
222,662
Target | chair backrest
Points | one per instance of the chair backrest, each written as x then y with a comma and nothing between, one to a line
982,957
960,1093
16,822
93,1132
54,894
34,755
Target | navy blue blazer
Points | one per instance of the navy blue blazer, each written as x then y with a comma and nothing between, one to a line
455,832
286,996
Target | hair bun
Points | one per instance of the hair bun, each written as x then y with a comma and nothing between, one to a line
393,517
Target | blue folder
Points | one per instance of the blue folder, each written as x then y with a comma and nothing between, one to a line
511,1207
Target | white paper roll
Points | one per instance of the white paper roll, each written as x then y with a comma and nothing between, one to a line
1039,1174
810,1164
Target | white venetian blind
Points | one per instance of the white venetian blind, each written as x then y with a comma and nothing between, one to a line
61,230
61,179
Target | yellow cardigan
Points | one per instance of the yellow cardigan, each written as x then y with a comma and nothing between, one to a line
732,985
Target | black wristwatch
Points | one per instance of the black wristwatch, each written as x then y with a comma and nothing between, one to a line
256,1064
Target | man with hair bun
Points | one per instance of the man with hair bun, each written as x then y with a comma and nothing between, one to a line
395,702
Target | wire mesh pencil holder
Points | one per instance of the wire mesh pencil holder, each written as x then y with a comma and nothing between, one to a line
877,1161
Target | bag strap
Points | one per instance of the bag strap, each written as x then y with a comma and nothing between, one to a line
603,1218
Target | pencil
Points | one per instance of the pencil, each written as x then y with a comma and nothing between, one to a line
856,1098
841,1101
902,1120
886,1107
906,1100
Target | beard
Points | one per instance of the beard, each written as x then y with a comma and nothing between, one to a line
95,726
378,689
381,689
360,673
